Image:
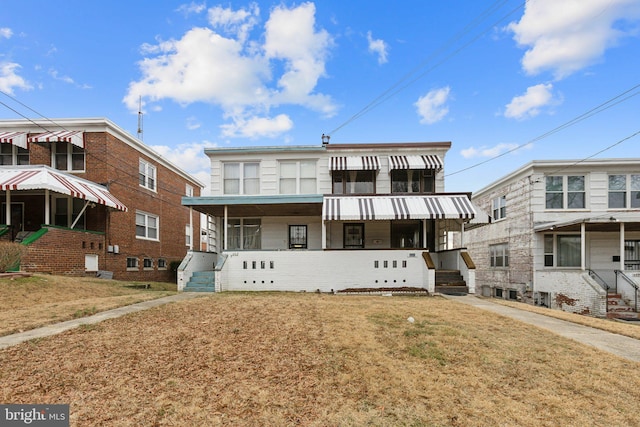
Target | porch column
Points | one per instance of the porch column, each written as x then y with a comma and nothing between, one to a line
7,208
191,230
225,230
324,234
621,246
583,246
47,208
462,234
425,244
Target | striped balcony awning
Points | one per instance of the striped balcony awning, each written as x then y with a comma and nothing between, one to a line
364,208
354,163
415,162
75,137
18,139
41,177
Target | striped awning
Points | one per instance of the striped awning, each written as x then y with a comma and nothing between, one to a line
363,208
18,139
75,137
415,162
41,177
354,163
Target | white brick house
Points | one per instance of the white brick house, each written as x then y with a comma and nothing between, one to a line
563,233
330,217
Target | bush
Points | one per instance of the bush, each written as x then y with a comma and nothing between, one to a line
10,256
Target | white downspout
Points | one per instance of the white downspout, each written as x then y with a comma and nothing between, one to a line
226,230
622,246
583,246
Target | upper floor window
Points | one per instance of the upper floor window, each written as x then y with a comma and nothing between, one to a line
188,191
241,178
565,192
67,156
298,177
146,226
11,155
147,175
354,181
624,191
499,207
412,181
499,255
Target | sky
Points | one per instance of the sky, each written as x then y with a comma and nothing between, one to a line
506,82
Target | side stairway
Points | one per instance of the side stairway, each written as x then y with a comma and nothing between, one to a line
201,281
617,308
450,282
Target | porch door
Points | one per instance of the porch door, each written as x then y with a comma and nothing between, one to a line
17,217
354,236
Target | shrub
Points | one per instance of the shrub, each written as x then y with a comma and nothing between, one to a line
10,256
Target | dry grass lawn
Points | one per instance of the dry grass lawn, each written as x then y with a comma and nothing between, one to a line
282,359
29,302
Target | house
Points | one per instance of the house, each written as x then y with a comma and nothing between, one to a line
88,198
564,234
329,218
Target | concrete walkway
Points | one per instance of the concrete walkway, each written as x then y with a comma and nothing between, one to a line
56,328
619,345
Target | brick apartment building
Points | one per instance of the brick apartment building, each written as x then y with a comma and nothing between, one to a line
85,197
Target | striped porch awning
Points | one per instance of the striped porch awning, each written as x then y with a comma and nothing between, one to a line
41,177
415,162
364,208
75,137
354,163
18,139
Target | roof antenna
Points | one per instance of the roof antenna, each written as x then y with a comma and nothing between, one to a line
140,118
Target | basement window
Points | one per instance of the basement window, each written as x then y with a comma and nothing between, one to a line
132,264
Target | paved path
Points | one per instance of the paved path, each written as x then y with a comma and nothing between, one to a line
619,345
56,328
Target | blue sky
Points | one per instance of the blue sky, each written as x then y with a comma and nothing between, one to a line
489,76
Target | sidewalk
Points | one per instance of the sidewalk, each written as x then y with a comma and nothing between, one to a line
619,345
56,328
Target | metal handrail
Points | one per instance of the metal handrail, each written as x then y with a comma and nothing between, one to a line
600,280
620,273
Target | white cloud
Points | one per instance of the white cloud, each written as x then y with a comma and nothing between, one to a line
528,105
6,32
193,123
431,107
189,157
379,47
569,35
192,7
226,67
490,152
9,78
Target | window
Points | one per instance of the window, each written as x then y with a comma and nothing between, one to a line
562,250
66,211
354,236
354,182
298,177
244,233
499,207
11,155
619,197
632,254
188,191
147,175
187,234
406,234
162,264
132,263
147,264
412,181
297,237
565,192
146,226
241,178
499,255
67,157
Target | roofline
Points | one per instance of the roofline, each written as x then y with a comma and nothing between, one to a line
254,149
444,144
96,124
327,147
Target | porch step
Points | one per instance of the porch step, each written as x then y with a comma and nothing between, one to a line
201,281
617,308
450,282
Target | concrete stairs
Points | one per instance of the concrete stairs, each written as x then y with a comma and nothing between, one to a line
450,282
618,308
201,281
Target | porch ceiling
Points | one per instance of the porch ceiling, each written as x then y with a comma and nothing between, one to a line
276,209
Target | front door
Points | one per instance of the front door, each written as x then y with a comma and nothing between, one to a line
354,236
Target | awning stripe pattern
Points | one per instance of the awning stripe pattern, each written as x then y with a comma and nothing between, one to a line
415,162
18,139
365,208
75,137
39,177
354,163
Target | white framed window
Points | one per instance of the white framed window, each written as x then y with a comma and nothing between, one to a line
499,255
147,264
624,191
298,177
188,191
241,178
147,175
244,233
562,250
132,264
11,155
162,264
499,207
565,192
147,226
187,234
67,157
